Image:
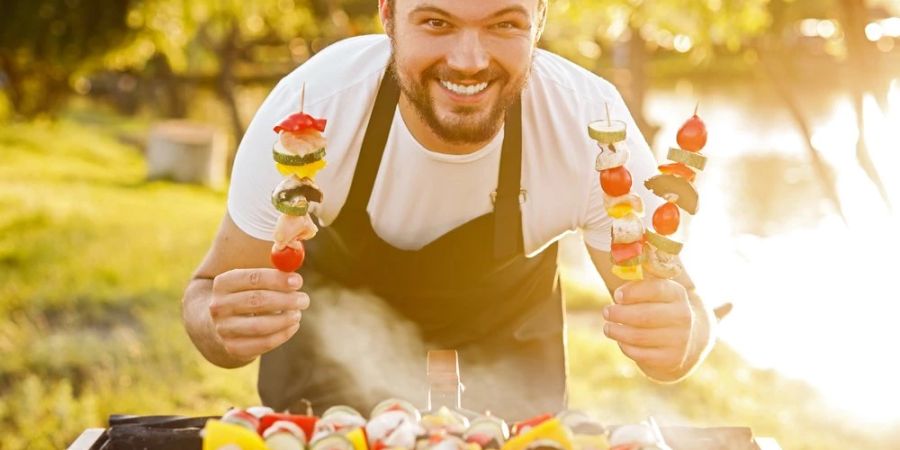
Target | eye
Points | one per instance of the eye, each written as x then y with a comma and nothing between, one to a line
511,26
437,24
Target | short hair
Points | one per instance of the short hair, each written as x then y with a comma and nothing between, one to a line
542,6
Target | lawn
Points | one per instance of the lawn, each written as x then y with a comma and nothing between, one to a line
93,260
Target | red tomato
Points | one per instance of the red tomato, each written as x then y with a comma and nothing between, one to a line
288,259
666,219
624,252
679,170
692,135
616,182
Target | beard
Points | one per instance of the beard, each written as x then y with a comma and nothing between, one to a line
462,124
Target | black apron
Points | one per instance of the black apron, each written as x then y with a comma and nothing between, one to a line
472,290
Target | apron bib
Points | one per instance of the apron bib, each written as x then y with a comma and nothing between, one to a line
471,289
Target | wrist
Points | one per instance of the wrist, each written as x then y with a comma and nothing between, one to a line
202,330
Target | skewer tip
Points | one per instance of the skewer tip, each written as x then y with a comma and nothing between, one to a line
302,94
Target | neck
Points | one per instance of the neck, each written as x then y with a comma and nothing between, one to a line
427,137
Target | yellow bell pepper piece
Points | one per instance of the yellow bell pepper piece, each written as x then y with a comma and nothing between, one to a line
218,435
631,273
358,438
304,171
551,429
619,211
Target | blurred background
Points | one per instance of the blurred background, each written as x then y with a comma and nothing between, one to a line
100,226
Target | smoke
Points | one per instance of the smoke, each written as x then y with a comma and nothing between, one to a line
383,355
382,352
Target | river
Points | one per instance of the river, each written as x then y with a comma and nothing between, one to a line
815,297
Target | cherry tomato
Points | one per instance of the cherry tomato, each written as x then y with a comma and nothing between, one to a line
624,252
288,259
666,219
679,170
616,182
692,135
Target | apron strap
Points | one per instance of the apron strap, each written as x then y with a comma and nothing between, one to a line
508,217
373,143
507,214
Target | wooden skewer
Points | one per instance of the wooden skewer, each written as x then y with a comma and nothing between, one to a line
697,108
302,94
608,116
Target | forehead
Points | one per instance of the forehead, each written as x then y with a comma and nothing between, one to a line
466,8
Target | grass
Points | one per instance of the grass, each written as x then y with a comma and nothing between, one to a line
93,260
92,263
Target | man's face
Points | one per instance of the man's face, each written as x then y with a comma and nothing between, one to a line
462,63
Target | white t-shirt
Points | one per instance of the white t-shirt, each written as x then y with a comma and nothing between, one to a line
420,195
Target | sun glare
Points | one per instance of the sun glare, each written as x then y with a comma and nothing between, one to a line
816,302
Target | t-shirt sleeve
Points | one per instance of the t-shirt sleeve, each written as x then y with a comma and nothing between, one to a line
642,165
254,174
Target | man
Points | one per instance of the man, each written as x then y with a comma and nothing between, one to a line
458,156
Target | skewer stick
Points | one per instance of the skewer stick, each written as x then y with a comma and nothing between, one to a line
302,94
697,108
608,116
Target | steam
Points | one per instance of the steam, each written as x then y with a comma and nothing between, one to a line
384,355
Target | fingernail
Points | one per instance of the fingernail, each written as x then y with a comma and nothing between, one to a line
618,295
294,281
606,329
606,313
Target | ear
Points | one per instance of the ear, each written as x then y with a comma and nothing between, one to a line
542,22
385,14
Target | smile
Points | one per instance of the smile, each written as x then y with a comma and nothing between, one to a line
460,89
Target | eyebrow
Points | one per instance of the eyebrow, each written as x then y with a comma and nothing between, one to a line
434,9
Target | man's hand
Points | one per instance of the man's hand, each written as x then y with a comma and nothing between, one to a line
655,326
255,310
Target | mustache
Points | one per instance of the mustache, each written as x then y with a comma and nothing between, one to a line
445,72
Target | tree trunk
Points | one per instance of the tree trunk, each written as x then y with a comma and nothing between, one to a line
630,77
228,55
780,82
862,79
173,92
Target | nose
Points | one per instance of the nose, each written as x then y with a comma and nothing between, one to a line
468,54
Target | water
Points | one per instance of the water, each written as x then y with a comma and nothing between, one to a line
817,301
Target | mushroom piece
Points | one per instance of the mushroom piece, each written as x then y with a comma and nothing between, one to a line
663,185
293,195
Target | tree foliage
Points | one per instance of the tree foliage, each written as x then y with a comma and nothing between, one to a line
44,43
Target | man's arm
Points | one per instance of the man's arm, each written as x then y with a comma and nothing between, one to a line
662,325
235,307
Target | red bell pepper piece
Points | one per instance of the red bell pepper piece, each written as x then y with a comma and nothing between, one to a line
519,427
679,170
300,121
306,423
624,252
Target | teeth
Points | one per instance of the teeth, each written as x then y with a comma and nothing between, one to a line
464,90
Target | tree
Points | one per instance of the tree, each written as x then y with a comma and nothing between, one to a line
45,44
634,32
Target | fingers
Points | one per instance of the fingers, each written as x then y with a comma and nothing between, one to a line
257,326
650,315
659,338
653,358
650,291
251,347
257,302
239,280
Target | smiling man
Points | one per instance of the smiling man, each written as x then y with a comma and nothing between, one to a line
458,157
